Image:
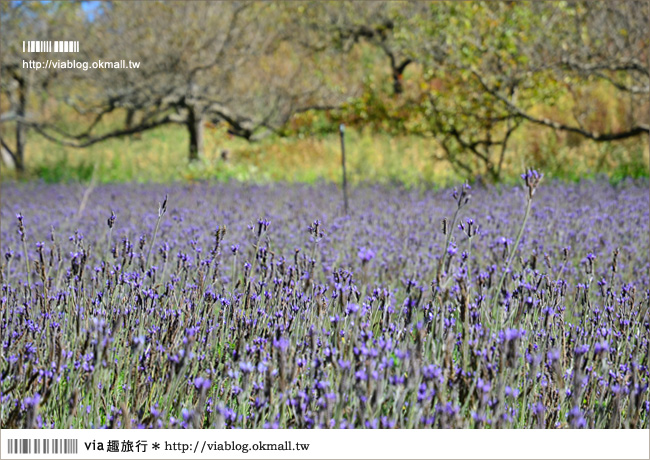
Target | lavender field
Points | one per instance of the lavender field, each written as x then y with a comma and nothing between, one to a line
242,306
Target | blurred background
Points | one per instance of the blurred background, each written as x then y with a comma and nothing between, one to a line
430,92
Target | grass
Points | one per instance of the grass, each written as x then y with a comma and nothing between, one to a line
160,156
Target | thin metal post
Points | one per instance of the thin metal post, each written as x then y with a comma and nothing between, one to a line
345,179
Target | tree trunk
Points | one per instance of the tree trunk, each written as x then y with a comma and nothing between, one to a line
398,88
398,74
195,127
8,157
21,128
130,115
130,122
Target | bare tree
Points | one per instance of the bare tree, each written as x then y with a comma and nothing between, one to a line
342,24
27,21
231,62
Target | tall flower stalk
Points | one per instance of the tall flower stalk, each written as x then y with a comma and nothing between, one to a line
21,232
162,208
532,179
462,197
110,222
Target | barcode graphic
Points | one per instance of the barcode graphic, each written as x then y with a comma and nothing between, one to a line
42,446
57,46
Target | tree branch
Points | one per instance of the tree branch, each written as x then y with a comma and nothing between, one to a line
93,140
598,137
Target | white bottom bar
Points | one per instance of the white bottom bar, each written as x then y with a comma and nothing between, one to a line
323,444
